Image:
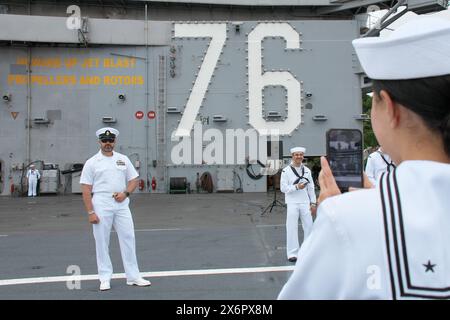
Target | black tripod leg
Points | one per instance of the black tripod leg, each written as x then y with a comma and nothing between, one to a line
265,210
273,205
281,203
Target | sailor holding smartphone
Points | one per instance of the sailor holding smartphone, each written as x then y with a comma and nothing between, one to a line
298,186
391,242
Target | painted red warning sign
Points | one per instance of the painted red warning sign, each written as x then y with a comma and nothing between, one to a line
151,114
139,114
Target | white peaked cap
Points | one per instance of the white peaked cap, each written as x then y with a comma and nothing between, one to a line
298,149
419,48
103,131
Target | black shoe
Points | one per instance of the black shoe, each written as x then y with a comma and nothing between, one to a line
292,259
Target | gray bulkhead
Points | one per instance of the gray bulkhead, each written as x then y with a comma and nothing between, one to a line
62,85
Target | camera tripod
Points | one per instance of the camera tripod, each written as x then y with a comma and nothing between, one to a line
274,203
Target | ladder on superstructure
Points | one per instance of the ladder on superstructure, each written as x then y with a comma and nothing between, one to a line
161,167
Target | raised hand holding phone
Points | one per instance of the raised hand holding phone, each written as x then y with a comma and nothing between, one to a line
328,185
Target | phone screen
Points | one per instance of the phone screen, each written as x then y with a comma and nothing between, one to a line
345,156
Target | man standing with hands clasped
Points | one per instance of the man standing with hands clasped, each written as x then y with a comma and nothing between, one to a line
33,176
298,186
107,180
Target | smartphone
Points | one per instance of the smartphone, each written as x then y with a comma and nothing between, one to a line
345,156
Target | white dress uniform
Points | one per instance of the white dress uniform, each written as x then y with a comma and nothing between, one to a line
377,163
33,177
389,242
108,175
298,204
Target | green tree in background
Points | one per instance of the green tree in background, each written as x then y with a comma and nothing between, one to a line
369,136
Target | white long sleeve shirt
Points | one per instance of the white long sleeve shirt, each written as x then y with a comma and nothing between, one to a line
375,166
33,174
292,195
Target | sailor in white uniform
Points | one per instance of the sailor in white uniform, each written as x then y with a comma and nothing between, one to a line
111,178
378,162
391,242
298,186
33,176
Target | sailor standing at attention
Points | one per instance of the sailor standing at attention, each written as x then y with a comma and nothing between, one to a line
298,186
111,178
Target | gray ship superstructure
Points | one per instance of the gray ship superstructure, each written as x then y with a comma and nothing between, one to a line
222,88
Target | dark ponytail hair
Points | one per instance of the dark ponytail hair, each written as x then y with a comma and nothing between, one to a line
428,97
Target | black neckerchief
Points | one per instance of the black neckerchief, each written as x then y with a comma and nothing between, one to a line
389,164
298,176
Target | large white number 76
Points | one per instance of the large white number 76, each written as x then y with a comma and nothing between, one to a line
218,34
257,80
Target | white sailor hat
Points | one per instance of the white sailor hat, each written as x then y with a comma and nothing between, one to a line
298,149
419,48
107,133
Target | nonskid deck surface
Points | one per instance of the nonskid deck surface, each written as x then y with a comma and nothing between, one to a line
194,246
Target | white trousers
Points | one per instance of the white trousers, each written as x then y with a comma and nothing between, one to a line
112,213
294,211
32,185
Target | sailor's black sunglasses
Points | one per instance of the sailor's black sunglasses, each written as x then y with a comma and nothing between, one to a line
105,140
